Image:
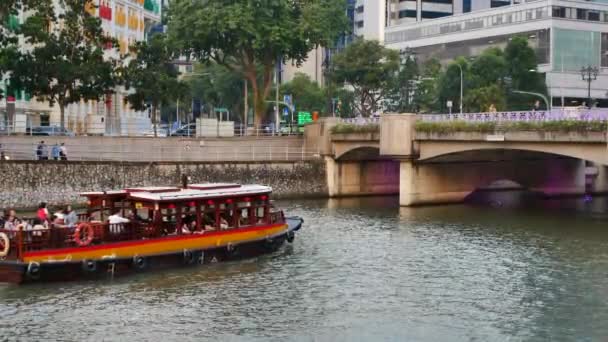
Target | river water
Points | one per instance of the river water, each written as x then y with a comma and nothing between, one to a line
360,270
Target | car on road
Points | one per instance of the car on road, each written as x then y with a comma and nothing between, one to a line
185,131
49,131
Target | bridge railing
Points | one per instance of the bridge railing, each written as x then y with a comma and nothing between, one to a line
525,116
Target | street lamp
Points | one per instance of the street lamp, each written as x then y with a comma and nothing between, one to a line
461,85
589,74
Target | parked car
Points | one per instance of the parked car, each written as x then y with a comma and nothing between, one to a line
185,131
49,131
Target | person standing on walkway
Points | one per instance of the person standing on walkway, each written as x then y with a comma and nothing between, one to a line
55,151
42,151
38,151
63,152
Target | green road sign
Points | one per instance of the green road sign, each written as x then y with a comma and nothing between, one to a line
304,117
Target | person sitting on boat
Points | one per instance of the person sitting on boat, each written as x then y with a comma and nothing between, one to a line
116,222
11,221
58,218
209,223
223,222
43,213
69,217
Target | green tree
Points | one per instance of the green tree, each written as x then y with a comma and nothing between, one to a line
449,83
251,36
482,98
426,92
217,86
66,62
306,94
153,76
488,68
401,98
521,63
370,69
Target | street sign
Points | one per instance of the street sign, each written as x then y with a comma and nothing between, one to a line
304,117
285,112
449,104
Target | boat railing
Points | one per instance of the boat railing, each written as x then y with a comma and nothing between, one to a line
58,236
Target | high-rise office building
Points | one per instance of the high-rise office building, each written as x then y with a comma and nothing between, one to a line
566,35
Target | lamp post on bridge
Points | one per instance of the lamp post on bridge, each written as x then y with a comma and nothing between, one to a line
461,85
589,74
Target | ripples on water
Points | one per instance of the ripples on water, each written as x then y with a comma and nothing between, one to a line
360,270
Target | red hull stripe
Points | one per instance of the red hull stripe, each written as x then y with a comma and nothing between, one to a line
145,242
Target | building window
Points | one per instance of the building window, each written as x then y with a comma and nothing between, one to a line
433,15
573,49
499,3
407,14
438,1
593,16
359,24
581,14
466,6
559,12
360,9
604,51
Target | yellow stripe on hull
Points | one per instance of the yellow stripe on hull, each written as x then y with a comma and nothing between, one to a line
156,247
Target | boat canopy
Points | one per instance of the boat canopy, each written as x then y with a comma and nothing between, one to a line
193,192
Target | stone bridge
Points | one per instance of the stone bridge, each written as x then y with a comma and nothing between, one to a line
432,168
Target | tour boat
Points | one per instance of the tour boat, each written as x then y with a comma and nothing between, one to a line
167,227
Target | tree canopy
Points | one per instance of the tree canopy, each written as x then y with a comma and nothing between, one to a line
306,94
370,69
251,36
68,60
152,76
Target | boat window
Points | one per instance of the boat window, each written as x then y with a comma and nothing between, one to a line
208,213
245,213
227,218
260,214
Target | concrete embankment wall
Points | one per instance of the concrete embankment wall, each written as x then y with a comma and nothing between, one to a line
23,184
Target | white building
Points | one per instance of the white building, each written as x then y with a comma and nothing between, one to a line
567,35
128,21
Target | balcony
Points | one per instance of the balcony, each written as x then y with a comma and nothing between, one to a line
105,12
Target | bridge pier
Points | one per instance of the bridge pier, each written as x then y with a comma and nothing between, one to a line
441,183
362,177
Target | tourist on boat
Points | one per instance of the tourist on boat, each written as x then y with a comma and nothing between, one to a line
116,222
11,221
69,217
58,219
223,222
43,213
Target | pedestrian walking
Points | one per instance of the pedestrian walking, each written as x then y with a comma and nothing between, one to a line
45,151
55,151
63,152
3,155
38,150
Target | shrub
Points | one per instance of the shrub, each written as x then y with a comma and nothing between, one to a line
350,128
566,126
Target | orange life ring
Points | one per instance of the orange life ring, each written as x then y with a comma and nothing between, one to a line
5,244
81,228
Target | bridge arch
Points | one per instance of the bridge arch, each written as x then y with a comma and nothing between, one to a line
451,177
